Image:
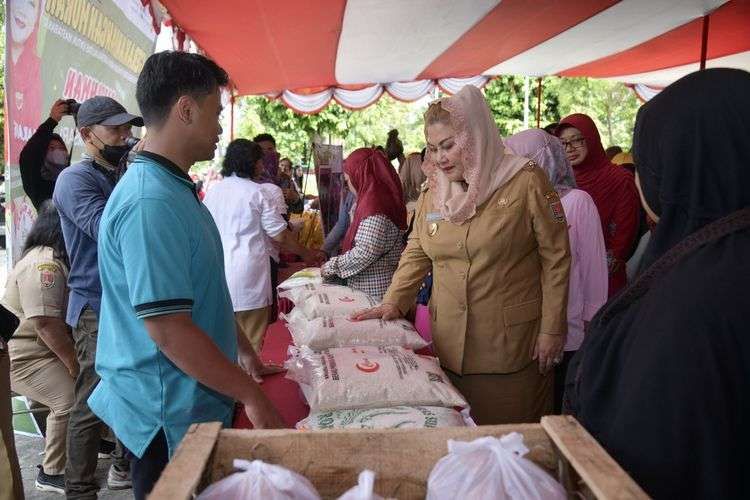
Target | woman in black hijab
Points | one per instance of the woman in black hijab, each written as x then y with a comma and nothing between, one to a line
662,380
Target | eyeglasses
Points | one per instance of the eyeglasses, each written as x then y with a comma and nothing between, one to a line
575,143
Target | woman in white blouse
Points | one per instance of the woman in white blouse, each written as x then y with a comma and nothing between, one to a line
246,217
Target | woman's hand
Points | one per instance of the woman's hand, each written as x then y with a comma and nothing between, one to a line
549,350
383,311
314,258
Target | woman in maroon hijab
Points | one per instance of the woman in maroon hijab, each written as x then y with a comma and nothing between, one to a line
611,187
373,244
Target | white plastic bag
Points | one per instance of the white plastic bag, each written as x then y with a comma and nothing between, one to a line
365,489
327,332
307,276
258,479
398,417
370,377
315,301
491,469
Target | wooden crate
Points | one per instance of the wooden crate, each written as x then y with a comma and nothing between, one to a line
402,459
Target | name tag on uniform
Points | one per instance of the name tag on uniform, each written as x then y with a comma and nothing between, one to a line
433,216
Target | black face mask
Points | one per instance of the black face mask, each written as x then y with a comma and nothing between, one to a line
114,154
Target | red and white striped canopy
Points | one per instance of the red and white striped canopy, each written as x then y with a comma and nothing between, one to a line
309,52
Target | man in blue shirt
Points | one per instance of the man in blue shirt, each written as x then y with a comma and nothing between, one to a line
168,345
80,194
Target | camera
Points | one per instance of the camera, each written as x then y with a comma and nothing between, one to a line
73,106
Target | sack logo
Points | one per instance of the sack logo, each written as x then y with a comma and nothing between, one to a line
368,366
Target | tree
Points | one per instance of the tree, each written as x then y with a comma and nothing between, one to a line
611,105
368,127
505,96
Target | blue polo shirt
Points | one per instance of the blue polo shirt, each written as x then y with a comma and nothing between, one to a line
159,253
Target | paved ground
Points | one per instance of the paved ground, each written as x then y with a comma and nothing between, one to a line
29,454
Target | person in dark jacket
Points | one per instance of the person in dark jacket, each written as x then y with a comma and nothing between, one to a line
663,376
44,156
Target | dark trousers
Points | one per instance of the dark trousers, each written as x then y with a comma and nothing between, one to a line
145,471
561,371
85,428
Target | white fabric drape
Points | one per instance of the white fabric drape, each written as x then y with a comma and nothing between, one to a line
360,99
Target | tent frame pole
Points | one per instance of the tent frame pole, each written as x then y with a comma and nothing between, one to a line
231,115
539,102
704,41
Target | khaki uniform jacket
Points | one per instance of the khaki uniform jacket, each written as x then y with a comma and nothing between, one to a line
499,279
37,286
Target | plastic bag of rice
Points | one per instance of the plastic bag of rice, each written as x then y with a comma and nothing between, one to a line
307,276
370,377
327,332
398,417
315,301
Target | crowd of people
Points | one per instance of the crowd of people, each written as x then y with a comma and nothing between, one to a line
143,300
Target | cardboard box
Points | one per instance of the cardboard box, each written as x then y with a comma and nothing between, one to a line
402,459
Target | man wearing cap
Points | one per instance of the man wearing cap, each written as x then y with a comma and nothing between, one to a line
80,194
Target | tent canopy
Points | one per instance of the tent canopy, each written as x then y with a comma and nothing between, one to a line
308,52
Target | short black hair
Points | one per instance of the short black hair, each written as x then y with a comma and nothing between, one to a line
263,138
551,128
47,232
166,76
241,157
612,151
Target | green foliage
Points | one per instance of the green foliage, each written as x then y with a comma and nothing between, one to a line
612,106
294,132
505,96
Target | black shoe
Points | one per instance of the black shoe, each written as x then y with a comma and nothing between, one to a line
47,482
106,448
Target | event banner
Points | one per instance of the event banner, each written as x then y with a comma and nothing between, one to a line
329,161
69,49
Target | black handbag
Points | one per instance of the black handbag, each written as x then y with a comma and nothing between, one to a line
8,323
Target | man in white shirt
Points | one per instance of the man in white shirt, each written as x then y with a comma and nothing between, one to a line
246,217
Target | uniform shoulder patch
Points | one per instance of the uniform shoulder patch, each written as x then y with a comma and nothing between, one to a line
555,206
47,274
48,267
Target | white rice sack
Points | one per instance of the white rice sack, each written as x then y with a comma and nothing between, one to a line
398,417
370,377
327,332
316,301
307,276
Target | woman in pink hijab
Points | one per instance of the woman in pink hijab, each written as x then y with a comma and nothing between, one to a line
493,230
588,269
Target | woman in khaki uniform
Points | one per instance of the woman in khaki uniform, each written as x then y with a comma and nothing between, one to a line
493,230
43,363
